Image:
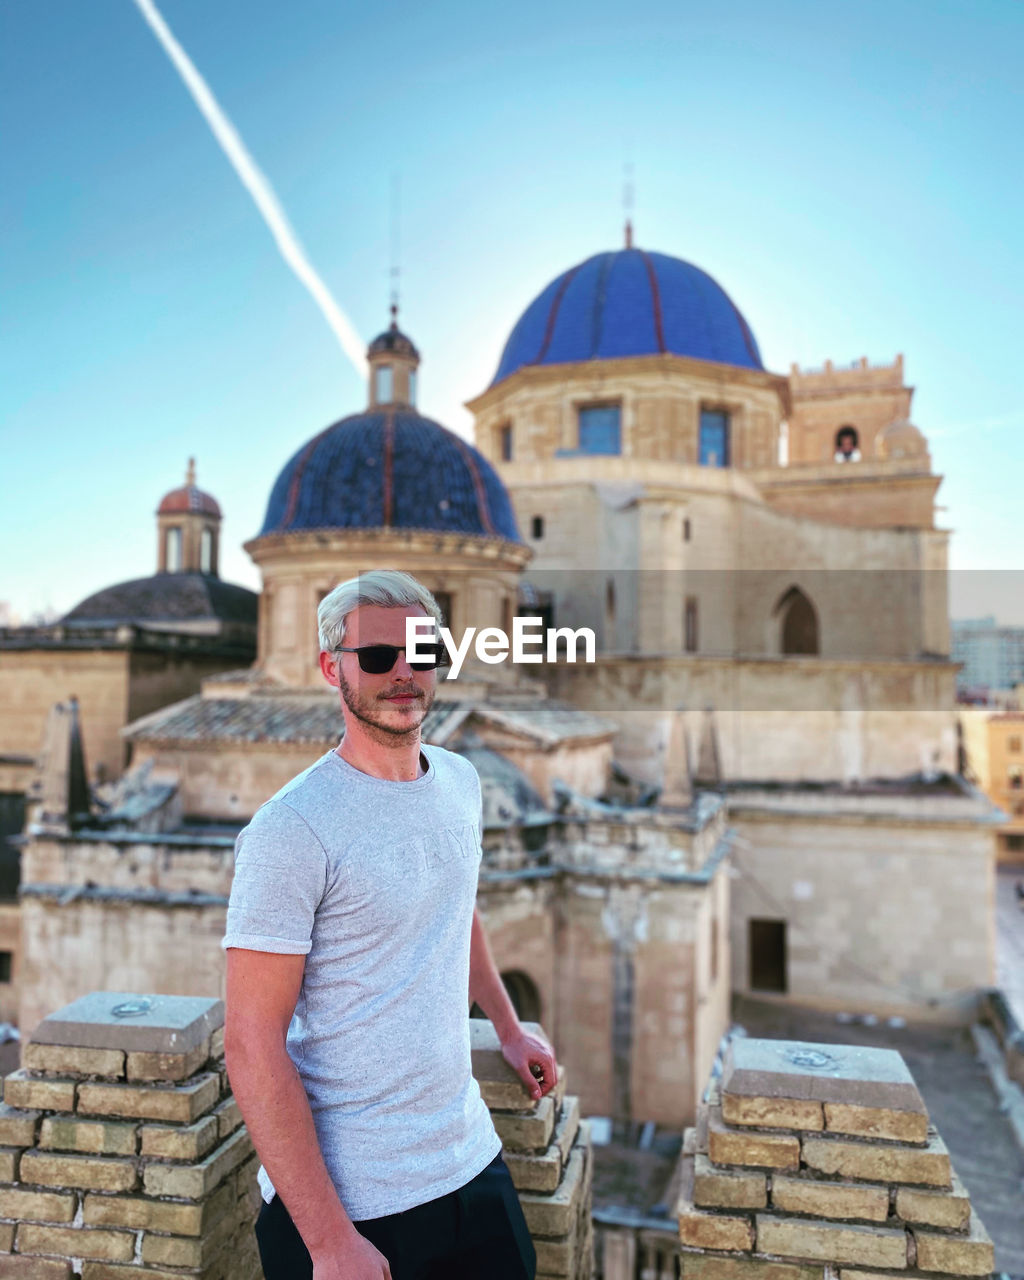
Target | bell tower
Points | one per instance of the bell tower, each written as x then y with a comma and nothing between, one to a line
188,529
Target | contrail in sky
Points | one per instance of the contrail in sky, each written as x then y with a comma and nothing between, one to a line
258,187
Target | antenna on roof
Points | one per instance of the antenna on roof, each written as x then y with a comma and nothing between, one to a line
395,273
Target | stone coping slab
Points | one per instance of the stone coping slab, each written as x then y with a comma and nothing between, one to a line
130,1021
855,1074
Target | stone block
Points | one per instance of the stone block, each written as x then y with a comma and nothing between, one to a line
17,1128
68,1060
958,1255
747,1147
140,1213
229,1117
217,1043
553,1215
167,1066
832,1242
544,1172
180,1142
181,1103
715,1188
96,1137
6,1237
830,1199
187,1251
849,1074
30,1092
76,1242
928,1166
950,1209
14,1267
876,1122
36,1206
772,1113
112,1271
192,1182
9,1164
133,1022
700,1229
500,1086
705,1266
526,1130
86,1173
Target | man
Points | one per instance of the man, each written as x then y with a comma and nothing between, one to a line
846,445
354,950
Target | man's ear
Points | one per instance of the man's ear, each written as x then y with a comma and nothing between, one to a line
329,667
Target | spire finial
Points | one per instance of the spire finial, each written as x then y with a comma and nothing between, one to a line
395,272
190,474
627,197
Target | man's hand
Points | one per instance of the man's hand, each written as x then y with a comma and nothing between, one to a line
533,1060
355,1259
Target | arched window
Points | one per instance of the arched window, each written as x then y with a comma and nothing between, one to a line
799,623
172,550
522,991
206,551
847,444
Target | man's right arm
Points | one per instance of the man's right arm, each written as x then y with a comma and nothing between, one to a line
262,988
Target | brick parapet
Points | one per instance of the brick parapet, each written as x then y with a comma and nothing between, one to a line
793,1186
135,1163
120,1163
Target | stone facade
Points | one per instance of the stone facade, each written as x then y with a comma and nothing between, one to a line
993,749
818,1160
124,1152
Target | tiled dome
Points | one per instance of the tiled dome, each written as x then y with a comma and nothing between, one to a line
630,303
390,468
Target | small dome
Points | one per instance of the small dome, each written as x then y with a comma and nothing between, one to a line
167,598
901,440
390,468
630,303
189,498
393,342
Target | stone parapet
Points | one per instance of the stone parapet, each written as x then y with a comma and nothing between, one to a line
816,1160
548,1152
122,1151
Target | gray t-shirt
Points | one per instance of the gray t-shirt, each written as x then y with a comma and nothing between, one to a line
375,882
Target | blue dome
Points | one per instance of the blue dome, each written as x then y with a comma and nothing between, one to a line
390,468
630,303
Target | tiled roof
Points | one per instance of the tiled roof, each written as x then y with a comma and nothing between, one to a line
188,498
167,597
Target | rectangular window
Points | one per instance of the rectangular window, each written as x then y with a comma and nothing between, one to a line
1013,746
600,428
505,440
6,959
537,527
1016,777
767,939
174,554
690,625
385,384
444,603
412,387
714,438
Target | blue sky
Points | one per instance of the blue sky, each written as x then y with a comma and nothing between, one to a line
851,174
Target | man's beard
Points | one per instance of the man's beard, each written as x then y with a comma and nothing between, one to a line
364,706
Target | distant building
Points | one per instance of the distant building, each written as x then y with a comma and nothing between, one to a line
992,656
993,747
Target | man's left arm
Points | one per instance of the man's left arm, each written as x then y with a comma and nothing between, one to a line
520,1049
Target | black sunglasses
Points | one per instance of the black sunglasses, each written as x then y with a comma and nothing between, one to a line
376,659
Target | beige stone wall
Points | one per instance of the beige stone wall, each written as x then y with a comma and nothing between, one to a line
882,914
156,680
872,493
994,746
865,396
660,397
794,718
481,574
32,680
96,944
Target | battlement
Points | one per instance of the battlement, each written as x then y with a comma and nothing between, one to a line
859,376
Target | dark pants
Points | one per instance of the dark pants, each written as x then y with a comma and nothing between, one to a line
475,1233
